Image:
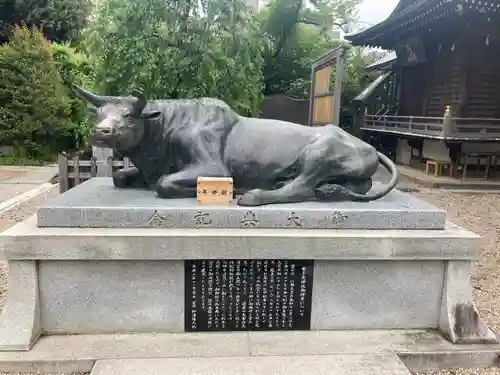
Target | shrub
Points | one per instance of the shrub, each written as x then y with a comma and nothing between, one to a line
35,116
74,68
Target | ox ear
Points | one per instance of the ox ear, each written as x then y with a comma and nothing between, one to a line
140,104
153,114
93,99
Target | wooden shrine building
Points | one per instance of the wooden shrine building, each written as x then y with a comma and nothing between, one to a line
438,95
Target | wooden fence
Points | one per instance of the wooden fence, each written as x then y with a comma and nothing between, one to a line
74,171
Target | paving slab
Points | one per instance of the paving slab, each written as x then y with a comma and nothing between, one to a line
419,350
351,364
16,180
10,173
98,204
24,195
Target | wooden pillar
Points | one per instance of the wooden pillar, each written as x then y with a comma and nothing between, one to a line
447,121
102,155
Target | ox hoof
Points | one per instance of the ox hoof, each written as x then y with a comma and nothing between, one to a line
251,198
119,180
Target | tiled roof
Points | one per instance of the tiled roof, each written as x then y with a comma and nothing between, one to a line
383,62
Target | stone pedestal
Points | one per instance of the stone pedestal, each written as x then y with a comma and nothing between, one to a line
97,204
97,260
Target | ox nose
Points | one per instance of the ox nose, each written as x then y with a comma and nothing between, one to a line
104,130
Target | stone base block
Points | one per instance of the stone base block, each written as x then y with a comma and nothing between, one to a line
98,204
118,280
459,319
96,297
124,297
20,319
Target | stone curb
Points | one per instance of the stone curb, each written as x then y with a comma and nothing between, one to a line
26,196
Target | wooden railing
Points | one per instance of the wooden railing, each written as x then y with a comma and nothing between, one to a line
74,171
432,126
482,127
455,128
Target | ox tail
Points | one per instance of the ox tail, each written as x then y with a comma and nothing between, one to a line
334,192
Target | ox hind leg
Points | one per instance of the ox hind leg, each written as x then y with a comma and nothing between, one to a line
300,189
326,172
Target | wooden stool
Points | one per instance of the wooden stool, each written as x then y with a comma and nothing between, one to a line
439,167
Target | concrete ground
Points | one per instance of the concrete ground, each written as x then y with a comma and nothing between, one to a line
473,180
477,212
16,180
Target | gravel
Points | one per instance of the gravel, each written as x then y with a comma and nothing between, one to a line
479,213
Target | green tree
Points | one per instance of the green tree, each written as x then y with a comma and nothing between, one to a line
74,67
177,49
356,78
296,35
59,20
35,112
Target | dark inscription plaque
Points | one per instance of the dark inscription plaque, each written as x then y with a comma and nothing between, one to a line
248,295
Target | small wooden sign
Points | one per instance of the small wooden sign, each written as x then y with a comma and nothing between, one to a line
214,190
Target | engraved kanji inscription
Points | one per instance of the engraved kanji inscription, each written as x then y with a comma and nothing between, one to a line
338,217
156,220
202,218
294,220
248,295
249,220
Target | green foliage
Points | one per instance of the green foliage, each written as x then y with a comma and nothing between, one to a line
74,68
296,36
35,116
356,78
18,158
59,20
290,71
175,49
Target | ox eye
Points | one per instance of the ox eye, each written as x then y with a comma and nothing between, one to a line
127,115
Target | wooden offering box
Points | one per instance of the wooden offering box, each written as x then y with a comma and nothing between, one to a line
214,190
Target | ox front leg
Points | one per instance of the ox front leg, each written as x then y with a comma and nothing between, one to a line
129,178
183,183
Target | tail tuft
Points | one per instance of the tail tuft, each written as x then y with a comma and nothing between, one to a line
332,192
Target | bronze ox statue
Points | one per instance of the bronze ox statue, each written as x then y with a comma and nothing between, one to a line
172,142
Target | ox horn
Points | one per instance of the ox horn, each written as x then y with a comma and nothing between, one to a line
140,102
96,100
